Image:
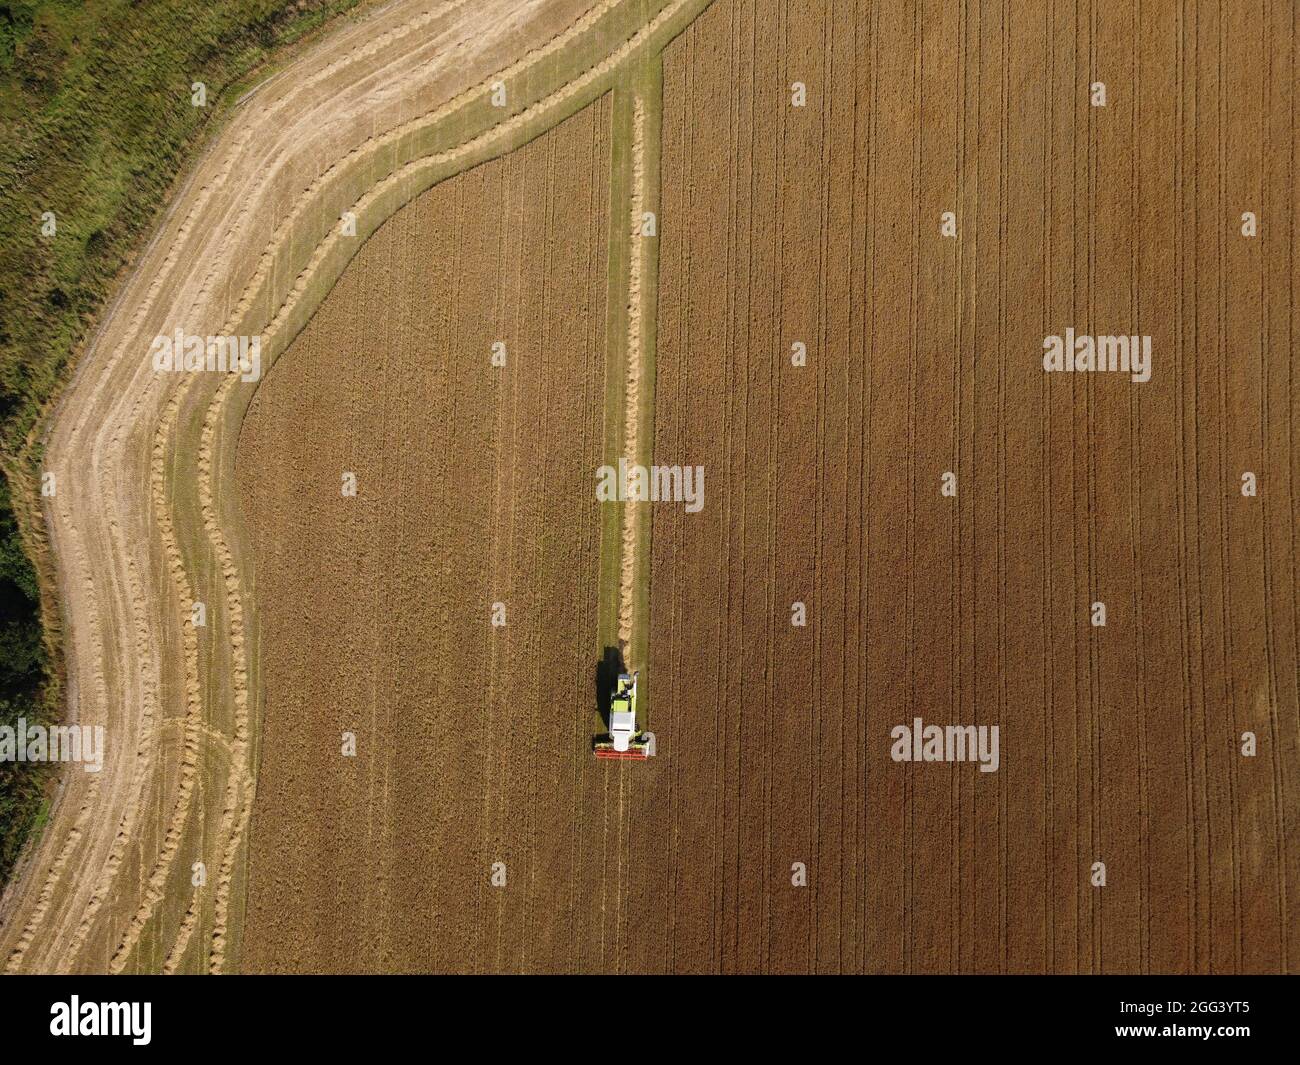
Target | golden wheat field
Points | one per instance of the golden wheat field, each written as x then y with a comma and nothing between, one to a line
945,512
957,341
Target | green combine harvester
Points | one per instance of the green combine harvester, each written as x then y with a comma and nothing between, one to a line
625,740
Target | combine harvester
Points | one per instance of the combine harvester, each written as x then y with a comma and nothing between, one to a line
625,740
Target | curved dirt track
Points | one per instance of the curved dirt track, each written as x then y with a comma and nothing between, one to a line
143,525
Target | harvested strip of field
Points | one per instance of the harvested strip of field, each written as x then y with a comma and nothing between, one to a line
633,359
633,289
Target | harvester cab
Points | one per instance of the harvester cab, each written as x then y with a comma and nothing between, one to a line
625,740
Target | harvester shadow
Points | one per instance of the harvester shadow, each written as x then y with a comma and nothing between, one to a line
607,671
